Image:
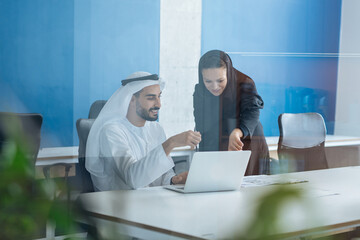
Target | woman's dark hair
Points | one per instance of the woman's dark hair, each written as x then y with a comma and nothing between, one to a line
215,59
212,61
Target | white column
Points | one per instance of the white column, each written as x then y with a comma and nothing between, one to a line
180,49
347,117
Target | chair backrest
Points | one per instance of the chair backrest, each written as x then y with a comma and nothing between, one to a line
27,124
301,142
83,127
96,108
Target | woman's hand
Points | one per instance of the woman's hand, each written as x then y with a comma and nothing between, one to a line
235,143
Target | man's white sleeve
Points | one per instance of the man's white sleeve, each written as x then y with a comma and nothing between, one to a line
136,173
167,177
164,179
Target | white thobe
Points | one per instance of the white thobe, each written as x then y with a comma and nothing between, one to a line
133,157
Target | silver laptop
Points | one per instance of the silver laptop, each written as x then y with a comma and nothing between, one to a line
214,171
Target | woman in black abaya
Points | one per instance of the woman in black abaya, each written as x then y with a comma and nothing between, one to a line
227,109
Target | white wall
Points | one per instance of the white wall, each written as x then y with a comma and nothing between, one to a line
347,118
180,49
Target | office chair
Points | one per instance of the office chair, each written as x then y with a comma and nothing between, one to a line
26,124
301,142
83,127
96,108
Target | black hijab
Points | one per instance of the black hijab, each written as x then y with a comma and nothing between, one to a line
217,59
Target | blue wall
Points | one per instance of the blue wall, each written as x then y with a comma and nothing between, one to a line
57,57
36,67
295,83
112,40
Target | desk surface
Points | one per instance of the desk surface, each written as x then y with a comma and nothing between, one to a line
333,194
48,156
331,141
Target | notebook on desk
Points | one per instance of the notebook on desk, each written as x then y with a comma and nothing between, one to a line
214,171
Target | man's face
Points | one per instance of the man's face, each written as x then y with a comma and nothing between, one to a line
148,103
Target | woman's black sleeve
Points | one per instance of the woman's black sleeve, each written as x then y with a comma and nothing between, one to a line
249,112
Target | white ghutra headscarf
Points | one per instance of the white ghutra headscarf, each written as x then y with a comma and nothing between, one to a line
115,109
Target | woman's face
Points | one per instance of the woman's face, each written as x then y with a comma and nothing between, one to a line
215,80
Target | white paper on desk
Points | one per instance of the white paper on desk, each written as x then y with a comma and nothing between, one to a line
312,192
264,180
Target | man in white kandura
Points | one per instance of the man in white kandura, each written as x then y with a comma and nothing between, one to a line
126,147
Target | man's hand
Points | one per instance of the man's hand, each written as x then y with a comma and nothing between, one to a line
235,143
188,138
180,178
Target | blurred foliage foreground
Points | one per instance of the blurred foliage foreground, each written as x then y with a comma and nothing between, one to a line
26,204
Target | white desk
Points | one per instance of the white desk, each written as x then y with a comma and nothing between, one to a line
158,213
331,141
340,150
49,156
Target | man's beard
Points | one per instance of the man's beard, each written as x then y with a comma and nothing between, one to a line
144,113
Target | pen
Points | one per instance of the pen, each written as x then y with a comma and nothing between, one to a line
196,147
